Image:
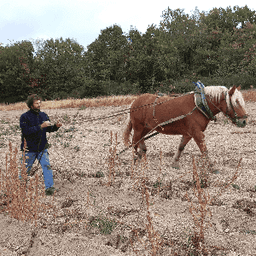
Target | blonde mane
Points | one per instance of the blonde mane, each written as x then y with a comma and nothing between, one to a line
217,91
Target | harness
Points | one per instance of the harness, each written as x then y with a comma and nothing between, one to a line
200,104
200,101
170,120
204,108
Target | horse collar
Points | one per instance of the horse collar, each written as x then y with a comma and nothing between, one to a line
201,102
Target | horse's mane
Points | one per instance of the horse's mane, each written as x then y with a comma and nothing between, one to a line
217,91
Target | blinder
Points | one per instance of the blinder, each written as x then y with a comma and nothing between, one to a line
236,118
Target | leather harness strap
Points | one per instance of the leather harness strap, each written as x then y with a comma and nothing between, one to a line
155,112
201,103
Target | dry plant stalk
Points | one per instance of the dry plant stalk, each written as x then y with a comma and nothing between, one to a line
140,178
153,236
199,213
22,196
111,160
160,172
133,164
203,172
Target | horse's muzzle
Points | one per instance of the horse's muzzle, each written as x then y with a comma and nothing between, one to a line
241,123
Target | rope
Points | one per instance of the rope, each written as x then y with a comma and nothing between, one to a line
126,111
172,120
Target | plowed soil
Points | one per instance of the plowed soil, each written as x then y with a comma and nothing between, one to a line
94,217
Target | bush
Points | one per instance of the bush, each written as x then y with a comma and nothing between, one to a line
92,88
60,95
171,86
243,79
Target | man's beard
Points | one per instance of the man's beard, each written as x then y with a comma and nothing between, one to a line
37,110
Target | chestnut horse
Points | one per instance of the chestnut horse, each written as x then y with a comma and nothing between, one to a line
149,111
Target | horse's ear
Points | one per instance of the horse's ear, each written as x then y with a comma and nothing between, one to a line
238,88
232,90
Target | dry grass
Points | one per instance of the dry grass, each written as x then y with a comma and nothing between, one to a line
24,200
21,198
76,103
249,95
153,241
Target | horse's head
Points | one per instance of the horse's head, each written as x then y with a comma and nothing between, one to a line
234,107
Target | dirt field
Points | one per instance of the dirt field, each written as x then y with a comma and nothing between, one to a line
92,218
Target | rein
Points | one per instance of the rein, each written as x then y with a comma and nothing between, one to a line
209,112
236,118
128,110
172,120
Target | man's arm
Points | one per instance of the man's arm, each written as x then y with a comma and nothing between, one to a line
54,127
26,129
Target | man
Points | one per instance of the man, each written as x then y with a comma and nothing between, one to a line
34,124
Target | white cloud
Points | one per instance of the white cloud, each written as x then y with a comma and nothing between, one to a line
84,19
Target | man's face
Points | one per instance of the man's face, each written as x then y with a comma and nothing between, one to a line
36,105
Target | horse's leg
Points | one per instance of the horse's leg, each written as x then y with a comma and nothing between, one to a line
142,148
184,140
138,134
136,137
200,141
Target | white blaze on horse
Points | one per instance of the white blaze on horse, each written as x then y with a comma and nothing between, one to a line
183,116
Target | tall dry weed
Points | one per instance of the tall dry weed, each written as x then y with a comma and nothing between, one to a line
21,197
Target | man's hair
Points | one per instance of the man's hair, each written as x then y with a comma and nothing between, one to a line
32,98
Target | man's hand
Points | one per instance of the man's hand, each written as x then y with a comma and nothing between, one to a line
45,124
58,124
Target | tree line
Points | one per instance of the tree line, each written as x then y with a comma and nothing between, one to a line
218,46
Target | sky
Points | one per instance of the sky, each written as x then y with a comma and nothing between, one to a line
83,20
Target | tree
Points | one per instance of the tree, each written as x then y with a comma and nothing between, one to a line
60,63
14,77
105,56
187,35
150,58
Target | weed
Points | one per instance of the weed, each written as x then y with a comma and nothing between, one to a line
83,107
235,186
21,197
4,122
66,144
77,148
253,232
99,174
105,225
66,118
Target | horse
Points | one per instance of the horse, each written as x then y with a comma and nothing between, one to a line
185,117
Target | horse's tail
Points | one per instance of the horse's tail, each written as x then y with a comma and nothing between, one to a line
127,130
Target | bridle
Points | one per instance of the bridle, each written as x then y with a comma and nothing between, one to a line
234,119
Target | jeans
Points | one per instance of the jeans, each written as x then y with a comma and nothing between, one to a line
45,163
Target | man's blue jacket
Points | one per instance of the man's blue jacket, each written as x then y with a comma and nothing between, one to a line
33,133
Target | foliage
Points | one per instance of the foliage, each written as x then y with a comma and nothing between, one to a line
60,63
13,76
105,56
217,47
